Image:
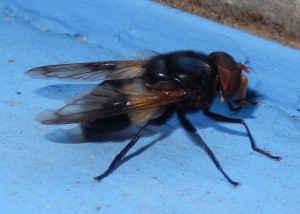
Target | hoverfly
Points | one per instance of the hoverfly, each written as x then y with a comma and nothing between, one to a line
146,92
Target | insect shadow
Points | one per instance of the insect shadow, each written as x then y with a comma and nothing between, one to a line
63,91
252,97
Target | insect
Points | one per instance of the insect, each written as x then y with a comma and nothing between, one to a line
146,92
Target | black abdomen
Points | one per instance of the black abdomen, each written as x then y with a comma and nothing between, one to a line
94,129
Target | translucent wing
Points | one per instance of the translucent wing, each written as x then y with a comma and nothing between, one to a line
146,54
93,71
113,98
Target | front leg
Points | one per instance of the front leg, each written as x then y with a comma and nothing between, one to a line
222,118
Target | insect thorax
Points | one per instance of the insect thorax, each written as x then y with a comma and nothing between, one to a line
198,98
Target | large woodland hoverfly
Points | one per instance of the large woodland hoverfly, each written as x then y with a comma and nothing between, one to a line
147,92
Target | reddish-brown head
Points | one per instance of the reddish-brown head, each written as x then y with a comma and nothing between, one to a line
233,83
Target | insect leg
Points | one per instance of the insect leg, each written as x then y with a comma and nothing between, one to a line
190,128
123,152
157,121
240,121
233,108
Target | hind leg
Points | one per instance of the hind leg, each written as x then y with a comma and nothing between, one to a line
157,121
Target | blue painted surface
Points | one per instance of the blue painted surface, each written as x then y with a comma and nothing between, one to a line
49,169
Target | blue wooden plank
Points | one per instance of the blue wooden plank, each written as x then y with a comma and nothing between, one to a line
49,169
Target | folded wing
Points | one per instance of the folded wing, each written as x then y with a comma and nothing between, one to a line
110,99
92,71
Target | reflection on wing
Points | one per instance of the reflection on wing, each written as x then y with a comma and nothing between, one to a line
107,100
93,71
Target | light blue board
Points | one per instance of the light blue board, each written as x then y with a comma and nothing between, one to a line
49,169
